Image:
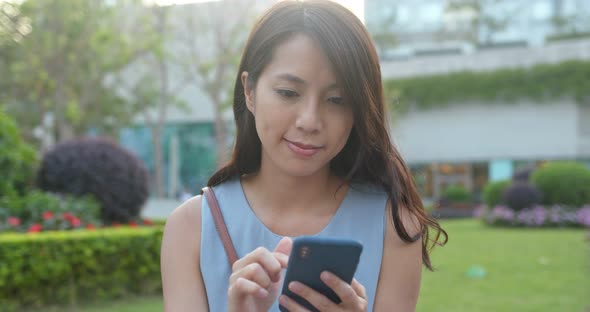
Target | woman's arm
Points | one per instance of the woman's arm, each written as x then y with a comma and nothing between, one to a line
401,268
182,282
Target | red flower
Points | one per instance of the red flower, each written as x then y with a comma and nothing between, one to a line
116,224
90,226
68,216
35,228
13,221
47,215
75,222
132,224
148,222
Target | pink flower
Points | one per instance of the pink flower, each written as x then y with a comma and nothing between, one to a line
47,215
35,228
75,222
13,221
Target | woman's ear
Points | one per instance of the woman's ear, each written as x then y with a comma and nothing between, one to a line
248,92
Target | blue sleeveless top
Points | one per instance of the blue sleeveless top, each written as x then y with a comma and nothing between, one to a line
361,216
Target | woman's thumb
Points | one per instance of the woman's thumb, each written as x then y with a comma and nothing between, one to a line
284,249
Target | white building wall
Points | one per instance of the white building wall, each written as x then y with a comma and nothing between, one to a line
476,132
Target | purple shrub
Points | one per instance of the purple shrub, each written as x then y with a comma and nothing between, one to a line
521,195
523,175
113,176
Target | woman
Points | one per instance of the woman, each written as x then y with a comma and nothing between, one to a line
312,157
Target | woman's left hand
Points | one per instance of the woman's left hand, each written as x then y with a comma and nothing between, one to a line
353,296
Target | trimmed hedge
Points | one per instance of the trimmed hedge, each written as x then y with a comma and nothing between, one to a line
563,183
493,192
456,194
67,268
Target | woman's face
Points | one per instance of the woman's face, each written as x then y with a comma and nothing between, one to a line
301,117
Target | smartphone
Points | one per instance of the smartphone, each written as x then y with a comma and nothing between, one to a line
311,256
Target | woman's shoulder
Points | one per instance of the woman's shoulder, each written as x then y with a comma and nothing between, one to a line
185,222
188,212
182,281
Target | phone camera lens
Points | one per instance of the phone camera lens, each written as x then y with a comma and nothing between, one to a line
304,252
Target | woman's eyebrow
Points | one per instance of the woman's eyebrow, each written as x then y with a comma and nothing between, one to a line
297,80
291,78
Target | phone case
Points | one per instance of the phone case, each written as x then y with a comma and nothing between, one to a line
312,255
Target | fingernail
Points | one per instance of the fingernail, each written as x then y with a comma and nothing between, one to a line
294,286
262,293
326,276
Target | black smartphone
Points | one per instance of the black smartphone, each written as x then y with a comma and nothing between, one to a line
311,256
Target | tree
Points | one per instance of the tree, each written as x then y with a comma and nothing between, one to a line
211,51
568,22
485,18
382,32
59,63
155,88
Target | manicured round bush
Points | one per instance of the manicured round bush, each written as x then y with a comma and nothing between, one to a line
99,167
523,174
521,195
456,194
17,159
493,191
563,183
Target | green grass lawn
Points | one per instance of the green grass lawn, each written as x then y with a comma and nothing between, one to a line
526,270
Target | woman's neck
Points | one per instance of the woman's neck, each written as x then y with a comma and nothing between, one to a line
287,194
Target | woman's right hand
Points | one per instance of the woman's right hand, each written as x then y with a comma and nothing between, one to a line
255,281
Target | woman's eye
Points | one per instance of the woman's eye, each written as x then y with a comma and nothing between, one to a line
286,93
336,100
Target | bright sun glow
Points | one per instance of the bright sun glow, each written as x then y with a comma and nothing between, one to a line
356,6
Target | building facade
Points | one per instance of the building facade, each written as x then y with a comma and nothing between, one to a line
472,143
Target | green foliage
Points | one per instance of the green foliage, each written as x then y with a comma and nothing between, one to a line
493,192
58,268
66,63
541,83
456,194
17,158
39,211
569,36
563,183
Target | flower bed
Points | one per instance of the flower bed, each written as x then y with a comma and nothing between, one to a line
537,216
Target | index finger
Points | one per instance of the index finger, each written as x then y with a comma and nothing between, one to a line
265,258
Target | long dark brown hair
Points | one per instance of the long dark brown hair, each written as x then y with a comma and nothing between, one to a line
369,155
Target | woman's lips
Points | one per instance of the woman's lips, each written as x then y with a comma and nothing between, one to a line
301,149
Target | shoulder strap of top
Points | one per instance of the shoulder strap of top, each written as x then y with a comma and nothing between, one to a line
228,245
